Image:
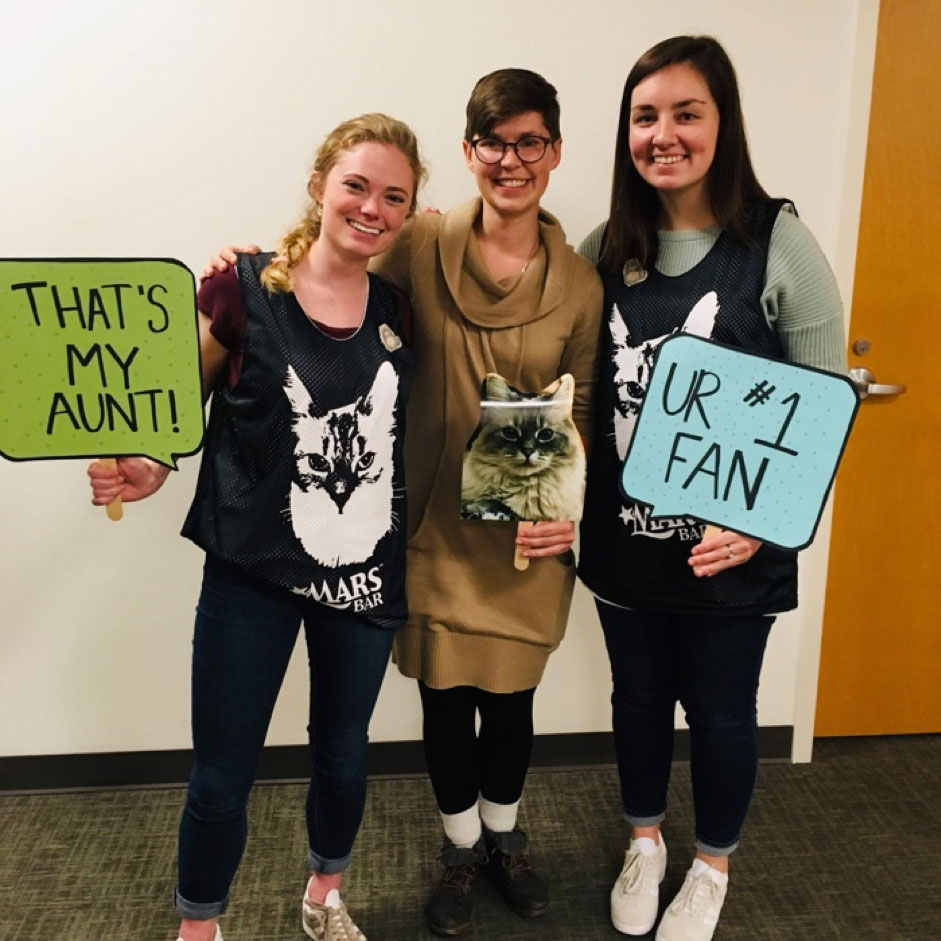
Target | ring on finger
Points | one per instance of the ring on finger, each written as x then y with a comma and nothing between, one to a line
731,554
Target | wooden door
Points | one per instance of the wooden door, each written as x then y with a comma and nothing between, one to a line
880,670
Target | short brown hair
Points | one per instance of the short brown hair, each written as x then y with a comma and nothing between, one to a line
506,93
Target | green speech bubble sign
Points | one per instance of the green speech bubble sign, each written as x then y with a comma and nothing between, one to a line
99,358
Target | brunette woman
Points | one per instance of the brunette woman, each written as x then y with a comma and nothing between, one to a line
692,243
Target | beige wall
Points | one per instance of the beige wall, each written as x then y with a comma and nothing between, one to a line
168,129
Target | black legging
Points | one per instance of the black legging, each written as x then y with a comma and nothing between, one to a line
463,763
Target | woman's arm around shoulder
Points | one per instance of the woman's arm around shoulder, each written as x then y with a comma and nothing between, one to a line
395,265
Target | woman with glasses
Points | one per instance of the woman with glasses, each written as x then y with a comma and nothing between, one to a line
494,288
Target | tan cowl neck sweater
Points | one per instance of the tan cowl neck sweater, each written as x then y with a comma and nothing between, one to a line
475,620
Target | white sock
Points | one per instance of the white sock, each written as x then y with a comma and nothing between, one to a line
462,829
646,846
499,818
700,866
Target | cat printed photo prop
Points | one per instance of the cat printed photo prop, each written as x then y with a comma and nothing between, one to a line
98,358
738,440
525,461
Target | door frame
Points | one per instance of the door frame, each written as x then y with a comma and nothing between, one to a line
815,558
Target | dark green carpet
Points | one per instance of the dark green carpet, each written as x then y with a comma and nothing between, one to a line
846,847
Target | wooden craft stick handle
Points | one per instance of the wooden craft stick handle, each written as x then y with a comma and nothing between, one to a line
114,509
711,530
520,561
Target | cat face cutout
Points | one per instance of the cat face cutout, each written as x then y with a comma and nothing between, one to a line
633,364
524,439
341,491
525,461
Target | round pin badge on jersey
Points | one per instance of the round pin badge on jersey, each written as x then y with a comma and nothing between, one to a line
633,273
390,340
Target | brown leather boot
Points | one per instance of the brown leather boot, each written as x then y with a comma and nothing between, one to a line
511,872
450,906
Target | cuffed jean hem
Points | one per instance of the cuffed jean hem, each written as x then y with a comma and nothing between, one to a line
711,850
327,867
644,821
199,911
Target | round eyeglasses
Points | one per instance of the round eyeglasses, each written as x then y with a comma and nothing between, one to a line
529,149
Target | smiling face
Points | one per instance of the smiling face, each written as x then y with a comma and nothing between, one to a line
673,130
511,187
366,197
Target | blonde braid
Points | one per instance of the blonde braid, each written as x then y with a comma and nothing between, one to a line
292,247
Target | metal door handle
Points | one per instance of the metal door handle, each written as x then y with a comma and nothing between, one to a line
866,384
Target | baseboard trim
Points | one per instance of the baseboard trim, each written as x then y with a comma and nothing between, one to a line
170,768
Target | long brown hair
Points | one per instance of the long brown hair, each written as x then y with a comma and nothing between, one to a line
367,128
731,181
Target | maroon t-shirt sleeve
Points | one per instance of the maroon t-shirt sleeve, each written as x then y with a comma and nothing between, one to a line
220,299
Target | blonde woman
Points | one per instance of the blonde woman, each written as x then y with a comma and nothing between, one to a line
298,504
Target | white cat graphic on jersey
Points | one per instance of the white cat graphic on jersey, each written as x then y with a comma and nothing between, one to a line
341,494
632,368
633,364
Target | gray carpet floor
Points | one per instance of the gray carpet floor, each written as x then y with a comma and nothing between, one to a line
846,847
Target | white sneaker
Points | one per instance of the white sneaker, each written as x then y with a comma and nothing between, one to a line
694,913
636,894
330,921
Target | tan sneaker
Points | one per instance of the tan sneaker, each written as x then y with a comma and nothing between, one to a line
330,921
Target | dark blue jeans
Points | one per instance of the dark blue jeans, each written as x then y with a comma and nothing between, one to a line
245,632
711,666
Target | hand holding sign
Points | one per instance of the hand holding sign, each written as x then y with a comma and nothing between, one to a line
99,358
126,479
721,549
739,440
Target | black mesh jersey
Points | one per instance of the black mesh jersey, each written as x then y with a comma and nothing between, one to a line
302,477
627,558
